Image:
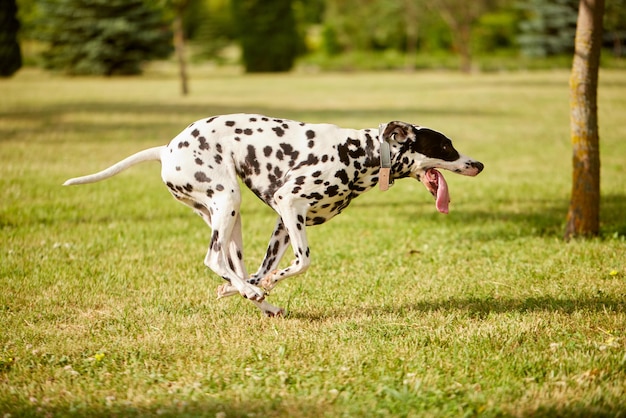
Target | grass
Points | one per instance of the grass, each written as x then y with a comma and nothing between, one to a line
107,310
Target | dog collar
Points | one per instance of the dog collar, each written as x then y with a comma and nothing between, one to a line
384,180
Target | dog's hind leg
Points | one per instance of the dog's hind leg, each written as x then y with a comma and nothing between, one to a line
225,253
235,249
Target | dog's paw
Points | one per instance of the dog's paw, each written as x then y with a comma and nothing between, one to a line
225,290
268,282
274,313
251,292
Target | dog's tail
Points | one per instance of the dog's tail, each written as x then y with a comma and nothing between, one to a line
150,154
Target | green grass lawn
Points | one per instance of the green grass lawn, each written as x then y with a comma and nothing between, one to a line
106,308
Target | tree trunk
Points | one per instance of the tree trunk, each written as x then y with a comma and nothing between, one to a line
583,217
410,21
179,45
460,15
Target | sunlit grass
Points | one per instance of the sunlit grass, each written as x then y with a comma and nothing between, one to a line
106,308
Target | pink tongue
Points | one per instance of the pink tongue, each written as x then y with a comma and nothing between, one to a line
443,196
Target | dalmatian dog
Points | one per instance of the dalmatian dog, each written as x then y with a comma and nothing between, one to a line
308,173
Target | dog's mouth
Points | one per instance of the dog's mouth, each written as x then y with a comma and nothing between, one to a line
437,186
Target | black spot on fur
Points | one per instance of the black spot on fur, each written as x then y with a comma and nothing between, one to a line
343,176
195,133
310,134
215,245
332,191
203,144
279,131
346,154
251,160
275,248
230,123
287,148
202,177
267,151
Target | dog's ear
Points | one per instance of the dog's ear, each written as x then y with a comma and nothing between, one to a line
397,131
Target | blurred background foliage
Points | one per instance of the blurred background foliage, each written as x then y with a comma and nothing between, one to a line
110,37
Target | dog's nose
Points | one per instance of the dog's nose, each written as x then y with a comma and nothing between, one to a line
478,165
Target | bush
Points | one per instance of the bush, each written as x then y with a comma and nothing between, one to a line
103,37
268,35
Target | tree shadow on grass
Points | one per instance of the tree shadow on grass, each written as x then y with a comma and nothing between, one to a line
269,409
173,118
482,307
511,219
175,408
476,307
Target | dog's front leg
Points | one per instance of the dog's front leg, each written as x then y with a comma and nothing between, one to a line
275,250
293,212
278,244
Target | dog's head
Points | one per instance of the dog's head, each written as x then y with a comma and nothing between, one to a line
418,152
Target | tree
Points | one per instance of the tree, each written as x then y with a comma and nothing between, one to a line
179,7
547,27
583,217
615,25
268,35
102,37
460,16
10,52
